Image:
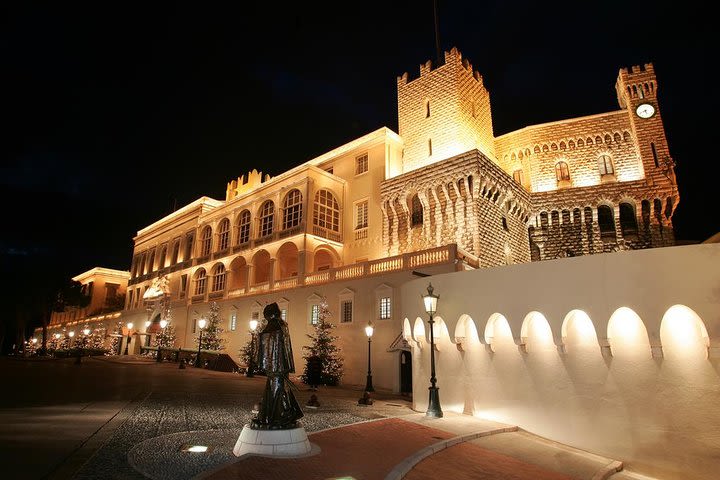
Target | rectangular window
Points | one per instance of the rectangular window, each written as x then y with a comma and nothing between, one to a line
518,176
346,314
361,215
183,285
385,308
130,299
361,164
315,315
233,321
194,325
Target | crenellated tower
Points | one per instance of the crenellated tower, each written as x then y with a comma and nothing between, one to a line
444,112
637,92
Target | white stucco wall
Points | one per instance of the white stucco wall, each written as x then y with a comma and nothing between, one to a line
608,353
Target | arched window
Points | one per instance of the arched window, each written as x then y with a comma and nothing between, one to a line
605,165
223,235
416,211
645,213
562,172
292,209
606,221
326,212
200,282
175,253
518,176
151,261
267,218
189,243
163,256
628,220
218,282
243,227
206,241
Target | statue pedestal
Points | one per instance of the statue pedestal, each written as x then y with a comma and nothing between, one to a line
276,443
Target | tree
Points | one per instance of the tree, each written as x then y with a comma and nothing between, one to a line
166,337
97,338
211,334
323,345
116,339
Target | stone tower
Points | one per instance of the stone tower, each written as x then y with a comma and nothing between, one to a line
443,113
637,92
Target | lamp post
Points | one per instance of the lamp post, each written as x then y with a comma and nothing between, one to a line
251,362
57,339
201,325
369,332
430,301
127,345
71,334
86,332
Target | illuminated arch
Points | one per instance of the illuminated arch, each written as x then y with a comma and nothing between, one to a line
578,329
407,330
683,331
496,326
626,331
535,329
466,330
419,331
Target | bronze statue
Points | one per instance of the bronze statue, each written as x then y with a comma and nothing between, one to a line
279,409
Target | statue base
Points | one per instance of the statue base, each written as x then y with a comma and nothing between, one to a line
292,442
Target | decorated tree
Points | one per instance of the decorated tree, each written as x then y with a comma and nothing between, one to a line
64,342
323,346
166,337
117,338
97,338
211,334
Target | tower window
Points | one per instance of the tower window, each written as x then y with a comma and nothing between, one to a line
654,153
605,165
429,148
427,108
518,176
562,172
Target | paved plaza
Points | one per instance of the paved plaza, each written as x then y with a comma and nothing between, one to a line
130,417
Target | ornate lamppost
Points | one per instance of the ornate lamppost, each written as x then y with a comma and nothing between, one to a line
369,332
201,324
147,335
71,334
56,336
127,345
86,332
430,301
251,363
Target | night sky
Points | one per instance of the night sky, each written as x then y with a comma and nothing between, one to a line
116,115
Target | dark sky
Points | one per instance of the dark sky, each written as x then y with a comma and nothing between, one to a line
114,114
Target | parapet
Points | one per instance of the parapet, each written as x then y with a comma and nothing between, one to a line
244,184
450,57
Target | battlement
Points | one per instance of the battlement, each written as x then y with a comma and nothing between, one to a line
637,83
450,57
647,68
245,184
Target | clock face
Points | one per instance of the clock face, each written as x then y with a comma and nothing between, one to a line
645,110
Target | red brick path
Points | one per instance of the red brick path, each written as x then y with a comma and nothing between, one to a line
470,461
363,451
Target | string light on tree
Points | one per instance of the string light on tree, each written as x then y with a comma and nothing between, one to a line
323,345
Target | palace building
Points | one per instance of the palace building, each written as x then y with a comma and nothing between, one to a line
443,194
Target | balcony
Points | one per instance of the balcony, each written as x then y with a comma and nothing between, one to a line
325,233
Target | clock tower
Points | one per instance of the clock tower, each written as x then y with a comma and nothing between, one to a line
637,93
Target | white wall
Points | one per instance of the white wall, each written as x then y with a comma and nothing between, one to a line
608,353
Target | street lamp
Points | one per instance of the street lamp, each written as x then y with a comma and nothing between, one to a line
163,324
430,301
86,332
56,336
201,325
71,334
127,345
369,332
251,362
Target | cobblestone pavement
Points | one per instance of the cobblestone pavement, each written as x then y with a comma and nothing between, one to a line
128,418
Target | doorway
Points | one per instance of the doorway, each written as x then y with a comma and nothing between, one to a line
405,373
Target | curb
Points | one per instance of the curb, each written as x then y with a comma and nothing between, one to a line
402,468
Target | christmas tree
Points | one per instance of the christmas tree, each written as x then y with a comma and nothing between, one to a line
116,339
166,337
323,346
97,338
212,332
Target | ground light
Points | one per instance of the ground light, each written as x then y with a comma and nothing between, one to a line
430,300
196,448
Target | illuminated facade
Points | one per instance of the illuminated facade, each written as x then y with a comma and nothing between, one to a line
442,195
